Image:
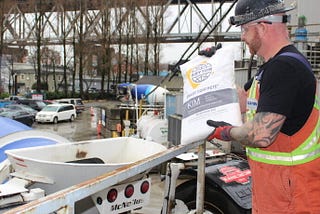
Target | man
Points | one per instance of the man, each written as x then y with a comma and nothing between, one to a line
281,134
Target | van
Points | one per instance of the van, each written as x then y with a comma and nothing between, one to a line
77,102
56,112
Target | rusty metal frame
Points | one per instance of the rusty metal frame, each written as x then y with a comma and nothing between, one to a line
21,21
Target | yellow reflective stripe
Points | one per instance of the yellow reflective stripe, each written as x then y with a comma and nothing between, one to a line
281,158
317,103
250,114
312,140
269,157
317,100
252,94
307,151
305,158
253,89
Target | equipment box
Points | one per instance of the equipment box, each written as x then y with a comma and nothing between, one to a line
174,102
174,129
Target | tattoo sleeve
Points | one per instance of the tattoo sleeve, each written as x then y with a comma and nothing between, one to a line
261,131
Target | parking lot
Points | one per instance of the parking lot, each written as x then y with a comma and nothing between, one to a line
83,128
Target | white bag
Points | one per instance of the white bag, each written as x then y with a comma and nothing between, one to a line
209,93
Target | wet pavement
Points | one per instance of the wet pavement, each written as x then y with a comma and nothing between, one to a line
83,128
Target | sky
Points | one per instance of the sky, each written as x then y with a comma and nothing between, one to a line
171,53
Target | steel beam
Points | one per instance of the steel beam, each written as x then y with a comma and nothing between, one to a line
57,20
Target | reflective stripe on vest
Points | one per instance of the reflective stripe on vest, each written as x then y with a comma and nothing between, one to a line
252,95
306,152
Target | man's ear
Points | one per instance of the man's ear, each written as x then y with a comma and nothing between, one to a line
262,28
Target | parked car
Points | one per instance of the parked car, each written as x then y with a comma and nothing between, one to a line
93,90
77,102
35,104
3,103
22,108
2,109
53,113
47,102
15,98
19,115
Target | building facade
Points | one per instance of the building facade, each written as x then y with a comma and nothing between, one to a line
25,77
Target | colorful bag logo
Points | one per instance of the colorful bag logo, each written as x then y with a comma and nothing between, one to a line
199,74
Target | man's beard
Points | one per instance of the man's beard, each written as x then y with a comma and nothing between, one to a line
255,43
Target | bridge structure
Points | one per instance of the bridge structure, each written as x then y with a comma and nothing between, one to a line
58,22
105,37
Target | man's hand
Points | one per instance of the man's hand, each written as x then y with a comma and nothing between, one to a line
209,52
221,131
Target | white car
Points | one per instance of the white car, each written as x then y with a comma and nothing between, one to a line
77,102
54,113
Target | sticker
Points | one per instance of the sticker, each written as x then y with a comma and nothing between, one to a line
252,104
234,174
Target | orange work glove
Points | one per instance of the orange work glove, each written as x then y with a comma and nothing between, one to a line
221,131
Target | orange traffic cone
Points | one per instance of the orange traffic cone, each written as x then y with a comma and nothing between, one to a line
99,126
119,128
91,111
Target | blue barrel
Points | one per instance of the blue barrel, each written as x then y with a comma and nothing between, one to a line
141,90
301,34
11,127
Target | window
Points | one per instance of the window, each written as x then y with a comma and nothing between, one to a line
69,107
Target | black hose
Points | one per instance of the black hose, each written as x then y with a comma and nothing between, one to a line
176,68
250,67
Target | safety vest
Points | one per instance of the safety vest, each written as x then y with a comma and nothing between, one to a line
305,152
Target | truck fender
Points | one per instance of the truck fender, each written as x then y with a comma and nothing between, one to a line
232,178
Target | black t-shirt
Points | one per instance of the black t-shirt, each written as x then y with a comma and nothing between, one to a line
287,87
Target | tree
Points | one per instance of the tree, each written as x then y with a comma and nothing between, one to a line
1,38
81,46
157,16
119,29
148,35
106,52
39,32
64,46
74,50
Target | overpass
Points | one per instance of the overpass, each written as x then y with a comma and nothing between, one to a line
57,22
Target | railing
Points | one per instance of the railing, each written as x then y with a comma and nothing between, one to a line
312,51
311,46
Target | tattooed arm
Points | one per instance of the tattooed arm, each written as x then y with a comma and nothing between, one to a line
261,131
